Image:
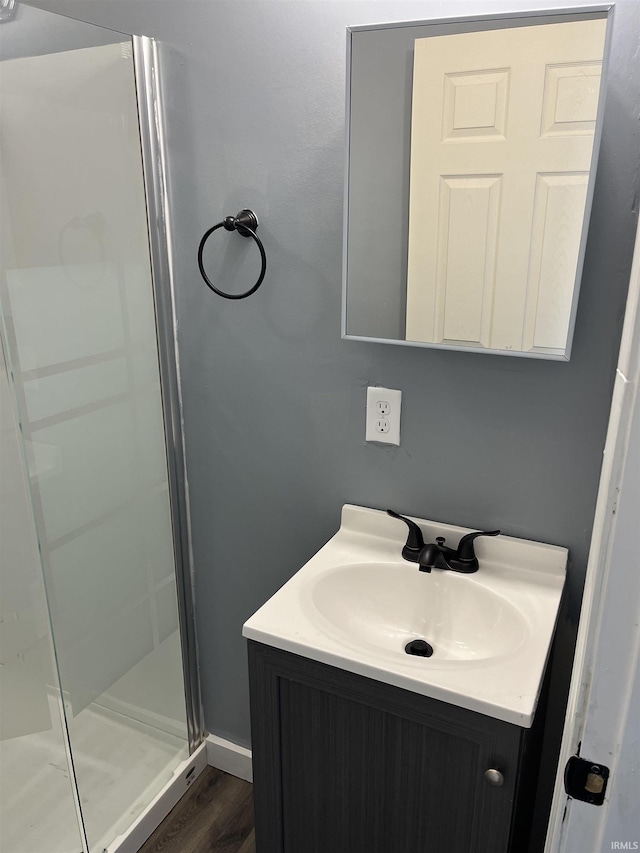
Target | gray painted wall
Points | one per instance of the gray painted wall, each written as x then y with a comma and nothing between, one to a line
274,400
33,36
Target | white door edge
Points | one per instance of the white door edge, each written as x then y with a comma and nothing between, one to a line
626,385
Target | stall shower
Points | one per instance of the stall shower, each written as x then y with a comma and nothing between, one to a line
96,712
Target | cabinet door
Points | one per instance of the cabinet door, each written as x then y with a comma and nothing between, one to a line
342,763
437,798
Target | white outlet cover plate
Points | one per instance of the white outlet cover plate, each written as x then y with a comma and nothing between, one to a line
393,397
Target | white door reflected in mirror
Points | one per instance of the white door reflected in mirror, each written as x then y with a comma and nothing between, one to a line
470,176
499,183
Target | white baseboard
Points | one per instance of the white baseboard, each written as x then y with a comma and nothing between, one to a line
230,757
161,805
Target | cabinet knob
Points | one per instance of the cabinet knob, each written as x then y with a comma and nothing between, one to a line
494,778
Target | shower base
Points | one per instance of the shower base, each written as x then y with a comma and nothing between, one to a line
121,764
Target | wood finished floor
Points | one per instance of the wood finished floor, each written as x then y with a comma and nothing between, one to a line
214,816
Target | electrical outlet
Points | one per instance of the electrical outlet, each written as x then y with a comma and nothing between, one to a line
383,415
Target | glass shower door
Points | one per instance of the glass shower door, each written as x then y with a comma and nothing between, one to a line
78,316
34,760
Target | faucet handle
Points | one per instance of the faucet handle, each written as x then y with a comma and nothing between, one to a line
415,540
466,550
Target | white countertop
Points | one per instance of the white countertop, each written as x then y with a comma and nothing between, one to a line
356,603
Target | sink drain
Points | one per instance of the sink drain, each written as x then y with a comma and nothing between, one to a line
420,648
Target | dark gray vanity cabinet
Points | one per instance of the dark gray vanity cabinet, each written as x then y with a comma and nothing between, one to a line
344,764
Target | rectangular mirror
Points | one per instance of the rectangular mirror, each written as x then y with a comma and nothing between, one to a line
471,152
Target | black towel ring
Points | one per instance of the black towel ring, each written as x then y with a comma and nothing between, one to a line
245,223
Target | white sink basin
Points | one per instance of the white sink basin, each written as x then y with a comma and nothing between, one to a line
386,605
356,604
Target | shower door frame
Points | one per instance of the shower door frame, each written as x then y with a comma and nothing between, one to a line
151,126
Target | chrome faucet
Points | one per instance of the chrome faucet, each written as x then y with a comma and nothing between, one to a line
438,555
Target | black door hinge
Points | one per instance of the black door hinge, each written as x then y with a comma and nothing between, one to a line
586,780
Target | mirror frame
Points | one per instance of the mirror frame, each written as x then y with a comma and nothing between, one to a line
511,19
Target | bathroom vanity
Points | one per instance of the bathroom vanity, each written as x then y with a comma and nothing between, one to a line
359,746
345,763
